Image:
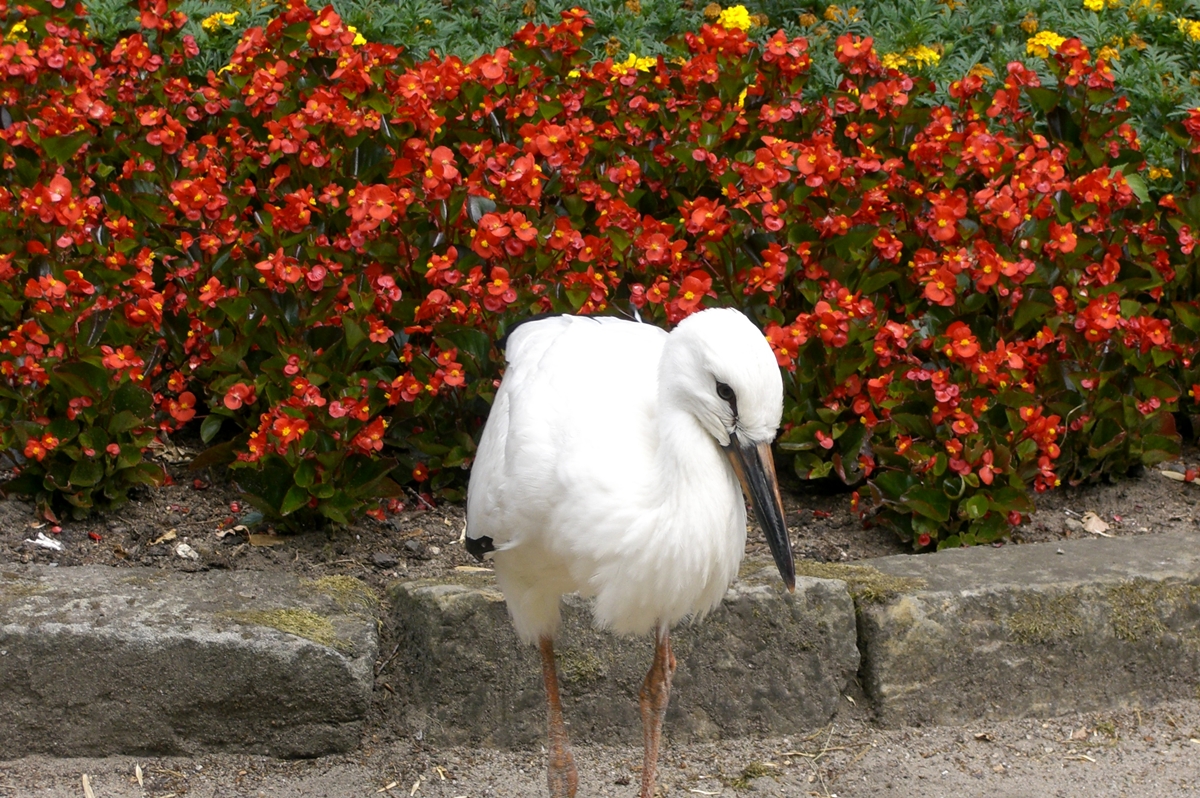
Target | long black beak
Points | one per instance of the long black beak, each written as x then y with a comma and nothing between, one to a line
755,469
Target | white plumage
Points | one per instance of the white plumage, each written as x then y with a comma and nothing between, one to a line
610,466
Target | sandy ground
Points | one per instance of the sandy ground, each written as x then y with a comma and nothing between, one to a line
1135,753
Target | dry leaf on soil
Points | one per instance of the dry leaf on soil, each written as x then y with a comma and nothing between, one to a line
267,540
164,537
1095,524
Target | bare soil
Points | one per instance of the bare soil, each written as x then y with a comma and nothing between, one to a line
205,511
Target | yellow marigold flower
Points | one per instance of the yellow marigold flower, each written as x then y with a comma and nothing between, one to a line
832,13
982,71
1109,54
808,19
634,6
1041,44
1157,173
924,56
359,39
1137,42
1189,28
1094,5
640,63
735,17
712,11
214,22
920,57
19,31
1030,23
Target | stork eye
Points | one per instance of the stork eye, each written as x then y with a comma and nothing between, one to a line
725,392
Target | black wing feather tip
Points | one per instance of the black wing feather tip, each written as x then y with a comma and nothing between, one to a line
478,547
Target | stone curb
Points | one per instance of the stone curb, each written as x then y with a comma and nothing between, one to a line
1035,630
97,661
764,662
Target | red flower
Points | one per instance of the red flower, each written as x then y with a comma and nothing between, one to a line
239,394
691,292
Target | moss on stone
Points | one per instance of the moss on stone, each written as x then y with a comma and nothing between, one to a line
579,667
21,588
1040,618
864,582
350,594
1137,607
298,622
755,770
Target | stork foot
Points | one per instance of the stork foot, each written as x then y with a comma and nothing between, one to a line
655,694
561,775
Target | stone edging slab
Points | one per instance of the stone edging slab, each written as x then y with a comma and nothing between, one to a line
97,661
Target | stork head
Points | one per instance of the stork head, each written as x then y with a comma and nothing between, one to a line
719,367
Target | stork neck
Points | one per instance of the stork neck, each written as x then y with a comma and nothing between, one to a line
691,463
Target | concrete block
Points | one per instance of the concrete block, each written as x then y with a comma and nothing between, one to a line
763,663
97,661
1034,630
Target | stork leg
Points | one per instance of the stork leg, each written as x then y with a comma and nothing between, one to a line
656,692
561,774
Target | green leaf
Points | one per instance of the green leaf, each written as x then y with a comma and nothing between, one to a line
1137,184
1030,310
63,148
133,399
296,498
306,473
354,333
210,427
929,502
87,472
123,422
976,506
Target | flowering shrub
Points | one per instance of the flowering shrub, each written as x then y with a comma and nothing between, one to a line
310,253
1150,45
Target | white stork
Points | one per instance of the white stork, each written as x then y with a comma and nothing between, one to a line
613,465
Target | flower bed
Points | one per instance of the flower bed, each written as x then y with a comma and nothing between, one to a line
310,253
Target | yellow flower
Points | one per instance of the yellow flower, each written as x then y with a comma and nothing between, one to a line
640,63
1030,23
1109,54
1094,5
1157,173
214,22
808,19
920,56
1041,44
19,31
735,17
712,11
359,39
1189,28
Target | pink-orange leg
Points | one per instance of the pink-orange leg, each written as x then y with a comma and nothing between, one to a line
656,692
561,774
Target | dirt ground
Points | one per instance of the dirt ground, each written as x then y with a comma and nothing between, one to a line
1131,754
206,512
1154,751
